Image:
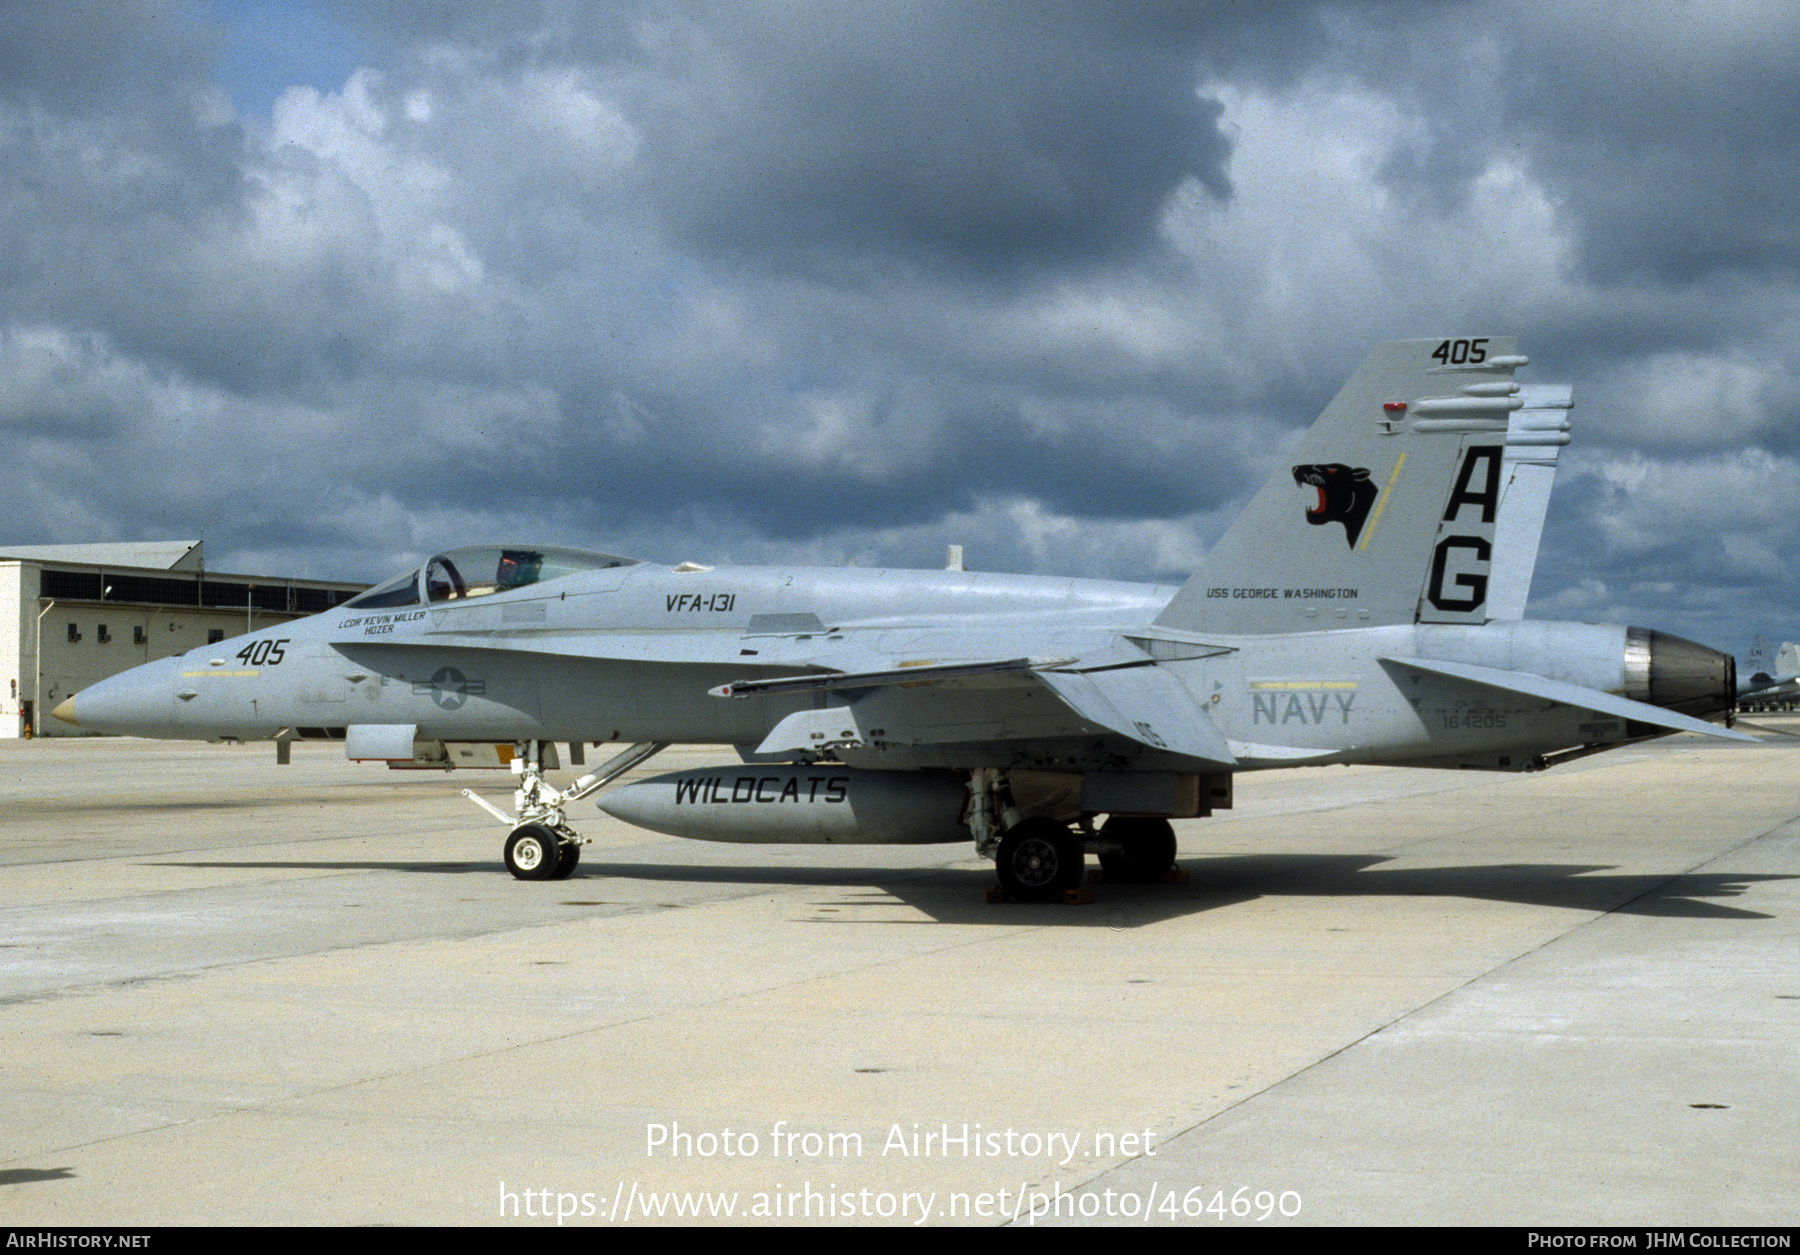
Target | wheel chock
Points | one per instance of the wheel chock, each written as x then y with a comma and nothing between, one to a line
1176,876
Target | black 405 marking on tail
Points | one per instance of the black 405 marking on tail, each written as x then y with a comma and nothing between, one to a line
1461,352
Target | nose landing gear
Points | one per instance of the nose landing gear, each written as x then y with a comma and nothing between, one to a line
542,845
538,852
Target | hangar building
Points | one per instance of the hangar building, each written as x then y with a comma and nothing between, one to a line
79,613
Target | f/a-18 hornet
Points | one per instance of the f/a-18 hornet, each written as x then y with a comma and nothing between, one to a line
1365,608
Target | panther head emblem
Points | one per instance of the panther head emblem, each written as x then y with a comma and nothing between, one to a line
1345,495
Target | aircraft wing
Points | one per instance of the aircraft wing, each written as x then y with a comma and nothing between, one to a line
626,646
847,650
1143,703
1100,680
1568,695
879,679
1147,704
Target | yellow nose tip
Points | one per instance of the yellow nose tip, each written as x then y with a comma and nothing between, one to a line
66,712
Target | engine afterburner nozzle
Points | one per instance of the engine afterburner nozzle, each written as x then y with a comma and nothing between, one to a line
1678,674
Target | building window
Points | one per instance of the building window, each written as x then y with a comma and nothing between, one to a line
214,635
74,633
103,636
137,635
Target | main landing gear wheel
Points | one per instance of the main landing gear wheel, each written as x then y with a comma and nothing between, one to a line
1038,860
533,853
1148,853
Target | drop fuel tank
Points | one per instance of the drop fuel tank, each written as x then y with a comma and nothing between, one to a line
760,804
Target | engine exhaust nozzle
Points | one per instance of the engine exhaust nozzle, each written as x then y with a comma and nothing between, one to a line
1678,674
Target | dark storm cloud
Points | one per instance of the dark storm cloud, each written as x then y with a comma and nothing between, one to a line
828,281
113,100
987,137
999,139
1671,131
1667,131
117,149
101,54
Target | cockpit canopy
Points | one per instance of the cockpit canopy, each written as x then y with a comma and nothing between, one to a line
478,570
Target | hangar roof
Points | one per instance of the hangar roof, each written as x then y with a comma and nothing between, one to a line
161,555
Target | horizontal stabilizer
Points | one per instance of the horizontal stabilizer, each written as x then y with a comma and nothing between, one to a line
1146,704
1570,695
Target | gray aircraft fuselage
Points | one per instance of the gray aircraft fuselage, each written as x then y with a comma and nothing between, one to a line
629,653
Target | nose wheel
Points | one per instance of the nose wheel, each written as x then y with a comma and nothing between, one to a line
566,860
538,852
542,845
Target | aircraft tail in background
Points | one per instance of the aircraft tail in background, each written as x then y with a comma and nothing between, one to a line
1769,673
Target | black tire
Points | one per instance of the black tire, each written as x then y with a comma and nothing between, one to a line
1148,853
532,852
1038,860
565,861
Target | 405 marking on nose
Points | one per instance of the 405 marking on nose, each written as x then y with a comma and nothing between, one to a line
263,653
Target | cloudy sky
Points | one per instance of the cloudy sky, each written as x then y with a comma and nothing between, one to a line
338,284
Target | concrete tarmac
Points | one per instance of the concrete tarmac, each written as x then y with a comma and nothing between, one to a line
237,993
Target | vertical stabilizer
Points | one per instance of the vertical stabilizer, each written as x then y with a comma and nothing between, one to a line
1535,435
1760,662
1385,512
1787,659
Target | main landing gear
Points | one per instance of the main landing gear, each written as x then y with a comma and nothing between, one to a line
1136,850
1041,860
542,845
1037,859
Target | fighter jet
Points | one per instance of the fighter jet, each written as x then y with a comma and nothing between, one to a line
1364,608
1773,675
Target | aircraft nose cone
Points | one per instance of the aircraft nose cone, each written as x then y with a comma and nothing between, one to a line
138,702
